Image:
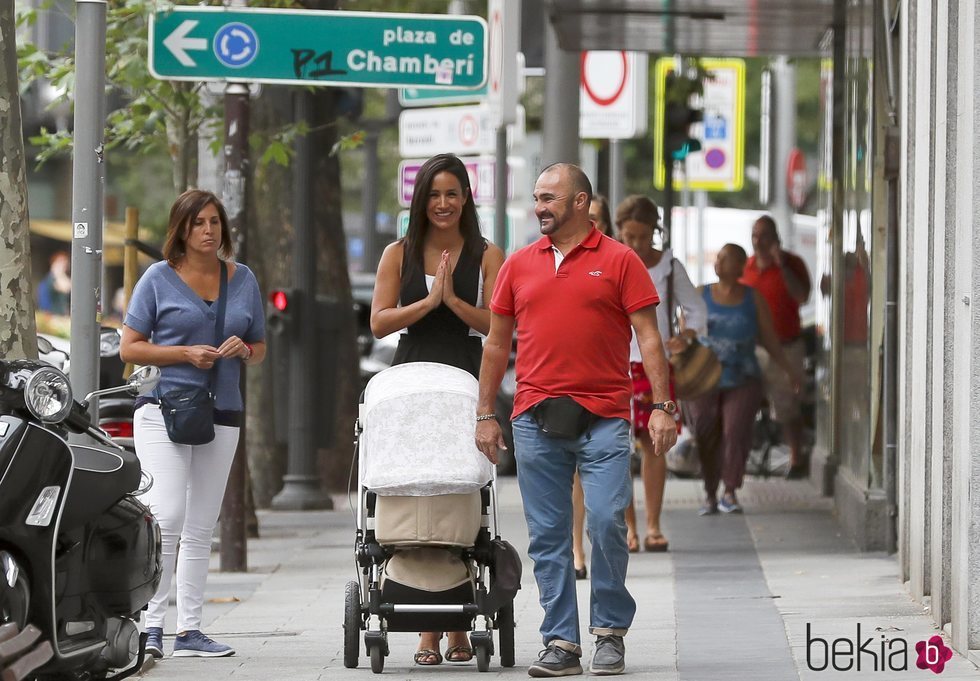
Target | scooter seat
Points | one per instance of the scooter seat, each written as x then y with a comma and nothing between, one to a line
100,479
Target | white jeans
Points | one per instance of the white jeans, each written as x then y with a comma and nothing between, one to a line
188,485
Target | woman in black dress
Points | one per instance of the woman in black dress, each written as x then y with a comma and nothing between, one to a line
435,284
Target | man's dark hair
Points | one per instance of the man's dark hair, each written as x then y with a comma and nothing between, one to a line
580,181
770,224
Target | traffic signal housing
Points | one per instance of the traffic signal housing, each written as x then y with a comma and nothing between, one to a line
280,312
678,118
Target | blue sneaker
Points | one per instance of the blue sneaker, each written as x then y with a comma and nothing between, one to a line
154,642
195,644
729,505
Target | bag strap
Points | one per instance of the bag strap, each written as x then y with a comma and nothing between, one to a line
670,300
219,322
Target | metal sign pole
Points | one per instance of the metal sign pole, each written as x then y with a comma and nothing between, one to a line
88,181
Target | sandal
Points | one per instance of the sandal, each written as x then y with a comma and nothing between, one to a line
459,654
655,543
427,657
633,544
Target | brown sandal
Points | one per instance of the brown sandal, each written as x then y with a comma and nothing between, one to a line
459,654
427,657
655,543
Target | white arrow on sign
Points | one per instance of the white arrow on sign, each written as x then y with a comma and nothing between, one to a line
178,43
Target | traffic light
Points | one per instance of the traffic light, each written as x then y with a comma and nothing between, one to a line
280,312
678,117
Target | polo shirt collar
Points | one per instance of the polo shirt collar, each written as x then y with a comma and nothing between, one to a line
591,241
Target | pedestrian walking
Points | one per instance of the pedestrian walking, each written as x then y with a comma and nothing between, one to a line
199,316
638,220
782,279
573,296
721,420
435,284
600,215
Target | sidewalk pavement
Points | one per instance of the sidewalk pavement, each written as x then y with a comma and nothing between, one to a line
732,599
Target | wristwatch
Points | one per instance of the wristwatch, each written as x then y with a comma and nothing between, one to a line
669,406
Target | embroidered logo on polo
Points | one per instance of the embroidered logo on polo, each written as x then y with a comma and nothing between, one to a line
595,273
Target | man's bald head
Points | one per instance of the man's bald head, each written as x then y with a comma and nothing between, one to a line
576,178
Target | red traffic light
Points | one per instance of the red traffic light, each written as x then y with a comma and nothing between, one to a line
279,300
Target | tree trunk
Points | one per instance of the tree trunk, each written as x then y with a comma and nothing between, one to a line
18,337
334,281
182,141
269,238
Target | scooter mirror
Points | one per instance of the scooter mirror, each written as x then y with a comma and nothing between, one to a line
44,345
145,379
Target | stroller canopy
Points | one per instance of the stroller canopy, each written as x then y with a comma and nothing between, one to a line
419,422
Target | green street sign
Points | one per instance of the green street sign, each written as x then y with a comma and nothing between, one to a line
305,47
429,97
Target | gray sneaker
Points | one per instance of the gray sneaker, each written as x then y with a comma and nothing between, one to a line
555,661
609,656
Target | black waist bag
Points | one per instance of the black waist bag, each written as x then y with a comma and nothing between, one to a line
563,417
189,415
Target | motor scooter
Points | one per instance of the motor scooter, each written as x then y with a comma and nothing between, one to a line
79,553
115,410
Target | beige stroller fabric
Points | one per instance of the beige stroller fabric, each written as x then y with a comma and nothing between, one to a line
427,569
445,520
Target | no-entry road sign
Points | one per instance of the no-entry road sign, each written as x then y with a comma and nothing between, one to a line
613,95
303,47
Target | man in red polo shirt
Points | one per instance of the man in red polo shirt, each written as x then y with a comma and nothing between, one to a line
782,279
573,295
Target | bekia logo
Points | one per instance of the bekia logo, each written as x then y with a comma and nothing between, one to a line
868,654
933,654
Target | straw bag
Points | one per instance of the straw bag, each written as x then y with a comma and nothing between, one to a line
697,369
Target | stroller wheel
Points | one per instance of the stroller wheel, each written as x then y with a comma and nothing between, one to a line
352,624
483,658
377,659
505,634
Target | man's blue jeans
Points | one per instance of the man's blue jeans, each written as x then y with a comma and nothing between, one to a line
545,467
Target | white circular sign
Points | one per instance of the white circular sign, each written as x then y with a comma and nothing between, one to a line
604,76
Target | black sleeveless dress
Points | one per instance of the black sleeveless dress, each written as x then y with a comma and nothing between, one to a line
441,336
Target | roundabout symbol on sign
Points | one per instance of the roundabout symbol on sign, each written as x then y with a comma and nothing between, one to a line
236,45
616,85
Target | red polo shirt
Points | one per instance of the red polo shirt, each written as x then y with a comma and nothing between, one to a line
573,326
771,286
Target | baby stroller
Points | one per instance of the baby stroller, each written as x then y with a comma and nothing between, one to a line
428,555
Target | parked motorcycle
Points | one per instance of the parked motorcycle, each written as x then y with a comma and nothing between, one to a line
79,553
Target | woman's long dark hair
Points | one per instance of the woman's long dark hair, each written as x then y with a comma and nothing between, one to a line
418,220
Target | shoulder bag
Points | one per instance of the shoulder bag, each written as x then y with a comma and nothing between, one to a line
189,412
696,369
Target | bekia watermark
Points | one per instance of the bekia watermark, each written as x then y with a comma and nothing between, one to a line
870,653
